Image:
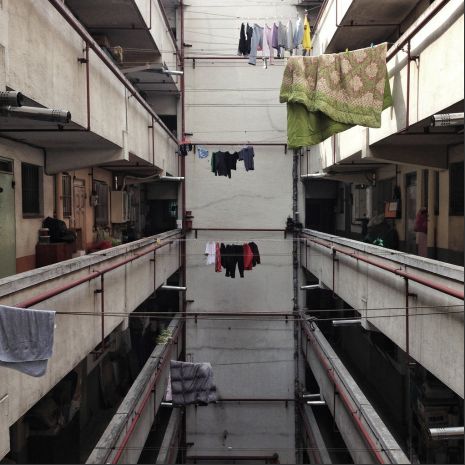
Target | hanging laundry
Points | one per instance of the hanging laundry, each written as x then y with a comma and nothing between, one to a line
256,254
249,34
210,252
26,339
256,44
192,383
289,36
267,45
298,32
329,94
219,164
218,258
248,257
275,39
242,49
232,257
184,149
202,152
231,161
282,38
247,155
307,36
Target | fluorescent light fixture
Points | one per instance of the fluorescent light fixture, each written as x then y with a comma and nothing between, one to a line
171,178
314,176
174,288
311,396
170,72
155,67
346,322
310,288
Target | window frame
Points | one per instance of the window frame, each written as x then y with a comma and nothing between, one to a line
67,195
36,192
101,220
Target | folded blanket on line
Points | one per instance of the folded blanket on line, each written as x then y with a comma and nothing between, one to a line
26,339
328,94
192,383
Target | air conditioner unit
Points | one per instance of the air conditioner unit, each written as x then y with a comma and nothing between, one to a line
119,207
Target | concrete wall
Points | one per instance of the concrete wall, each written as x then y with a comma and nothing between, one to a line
432,45
58,80
436,323
231,101
75,336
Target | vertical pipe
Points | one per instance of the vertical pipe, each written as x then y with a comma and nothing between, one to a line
407,371
154,271
58,196
153,141
334,271
102,306
88,85
295,270
183,246
407,112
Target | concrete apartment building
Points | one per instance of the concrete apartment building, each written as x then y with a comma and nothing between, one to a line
334,349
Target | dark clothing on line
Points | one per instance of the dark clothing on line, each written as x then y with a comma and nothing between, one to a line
233,257
231,161
256,254
219,164
242,50
247,155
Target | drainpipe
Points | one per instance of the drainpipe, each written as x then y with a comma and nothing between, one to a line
432,220
38,114
297,328
58,196
183,247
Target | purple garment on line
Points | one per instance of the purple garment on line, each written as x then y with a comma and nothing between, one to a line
274,40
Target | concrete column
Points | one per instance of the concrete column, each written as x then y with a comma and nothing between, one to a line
432,220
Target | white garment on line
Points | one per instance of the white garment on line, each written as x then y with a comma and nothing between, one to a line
210,252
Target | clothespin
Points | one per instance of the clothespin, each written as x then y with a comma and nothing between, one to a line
372,45
347,50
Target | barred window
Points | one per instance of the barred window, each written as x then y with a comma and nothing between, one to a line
101,208
66,195
31,187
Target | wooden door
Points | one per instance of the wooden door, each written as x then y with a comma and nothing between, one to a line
79,212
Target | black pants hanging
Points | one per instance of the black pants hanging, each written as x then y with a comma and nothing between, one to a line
233,256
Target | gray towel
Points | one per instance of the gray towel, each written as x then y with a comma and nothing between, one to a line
26,339
192,383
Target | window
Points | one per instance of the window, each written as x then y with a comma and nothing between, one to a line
101,207
66,195
456,189
31,187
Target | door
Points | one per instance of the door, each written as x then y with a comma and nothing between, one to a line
411,213
79,212
7,220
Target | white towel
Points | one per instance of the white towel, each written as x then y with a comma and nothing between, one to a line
210,252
